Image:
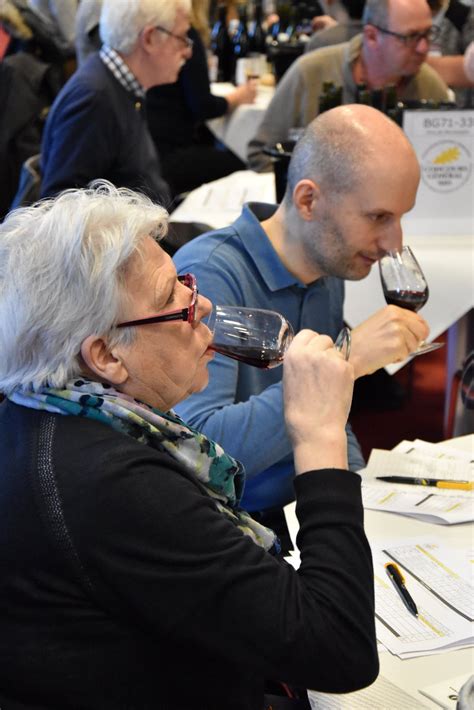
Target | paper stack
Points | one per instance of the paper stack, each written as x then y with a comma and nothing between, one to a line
419,459
440,583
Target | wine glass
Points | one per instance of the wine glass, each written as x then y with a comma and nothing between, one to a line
257,337
404,285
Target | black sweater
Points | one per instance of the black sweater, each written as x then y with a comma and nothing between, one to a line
176,110
121,586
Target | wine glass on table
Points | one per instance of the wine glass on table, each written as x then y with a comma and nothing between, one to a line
405,285
257,337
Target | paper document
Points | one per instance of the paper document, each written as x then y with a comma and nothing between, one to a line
419,459
442,450
418,502
418,465
381,694
220,202
444,598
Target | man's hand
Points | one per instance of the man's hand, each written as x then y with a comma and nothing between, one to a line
317,390
390,335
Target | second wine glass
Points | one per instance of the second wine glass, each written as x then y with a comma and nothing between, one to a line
404,285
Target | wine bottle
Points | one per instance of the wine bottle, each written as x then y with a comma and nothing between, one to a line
240,40
257,41
221,46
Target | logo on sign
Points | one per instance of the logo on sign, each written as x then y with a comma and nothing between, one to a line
446,166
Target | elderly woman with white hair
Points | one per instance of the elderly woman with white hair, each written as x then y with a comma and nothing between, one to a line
130,578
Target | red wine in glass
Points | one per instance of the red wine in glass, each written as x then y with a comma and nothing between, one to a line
406,298
404,285
264,358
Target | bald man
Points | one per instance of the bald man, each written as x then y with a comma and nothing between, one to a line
390,51
352,177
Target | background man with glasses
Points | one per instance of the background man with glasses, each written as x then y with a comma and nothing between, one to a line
391,50
97,127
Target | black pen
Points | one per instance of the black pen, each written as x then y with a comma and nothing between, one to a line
399,584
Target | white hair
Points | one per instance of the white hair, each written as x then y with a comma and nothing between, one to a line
62,265
121,21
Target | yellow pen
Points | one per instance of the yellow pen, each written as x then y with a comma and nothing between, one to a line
436,482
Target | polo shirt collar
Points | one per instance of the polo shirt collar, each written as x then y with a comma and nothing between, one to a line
260,249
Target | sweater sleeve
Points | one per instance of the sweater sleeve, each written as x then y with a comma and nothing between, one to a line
160,555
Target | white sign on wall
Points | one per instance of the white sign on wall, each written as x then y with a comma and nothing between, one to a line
444,144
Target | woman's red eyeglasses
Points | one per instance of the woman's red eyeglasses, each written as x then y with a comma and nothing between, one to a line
186,314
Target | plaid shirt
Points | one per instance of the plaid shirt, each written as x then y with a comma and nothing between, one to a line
121,72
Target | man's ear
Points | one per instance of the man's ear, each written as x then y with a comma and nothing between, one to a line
148,38
102,361
305,198
371,35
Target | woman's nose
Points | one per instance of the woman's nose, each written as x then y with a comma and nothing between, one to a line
204,307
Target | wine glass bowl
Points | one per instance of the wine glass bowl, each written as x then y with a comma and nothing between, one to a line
404,285
256,336
251,335
403,281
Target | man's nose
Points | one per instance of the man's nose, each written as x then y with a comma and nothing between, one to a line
392,239
422,46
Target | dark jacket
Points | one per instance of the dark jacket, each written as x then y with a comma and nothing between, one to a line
97,129
175,111
27,89
122,586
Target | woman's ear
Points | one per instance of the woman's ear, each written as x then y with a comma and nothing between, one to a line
103,362
305,198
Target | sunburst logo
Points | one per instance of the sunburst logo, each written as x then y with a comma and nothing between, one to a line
447,156
446,166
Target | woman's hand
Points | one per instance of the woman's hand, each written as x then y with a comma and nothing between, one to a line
244,94
317,390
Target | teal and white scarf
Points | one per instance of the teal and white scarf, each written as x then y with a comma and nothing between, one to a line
221,475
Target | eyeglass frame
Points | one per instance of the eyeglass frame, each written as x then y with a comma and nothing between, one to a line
183,314
187,41
412,38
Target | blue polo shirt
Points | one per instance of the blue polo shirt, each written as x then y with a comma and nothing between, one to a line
242,406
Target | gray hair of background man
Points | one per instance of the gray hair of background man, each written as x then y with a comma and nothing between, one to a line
62,264
121,21
376,12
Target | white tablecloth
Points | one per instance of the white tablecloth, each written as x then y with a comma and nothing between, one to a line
415,673
239,127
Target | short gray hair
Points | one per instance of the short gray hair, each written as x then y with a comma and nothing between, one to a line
62,265
121,21
327,153
376,12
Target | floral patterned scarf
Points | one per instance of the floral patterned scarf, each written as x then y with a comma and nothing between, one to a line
221,475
